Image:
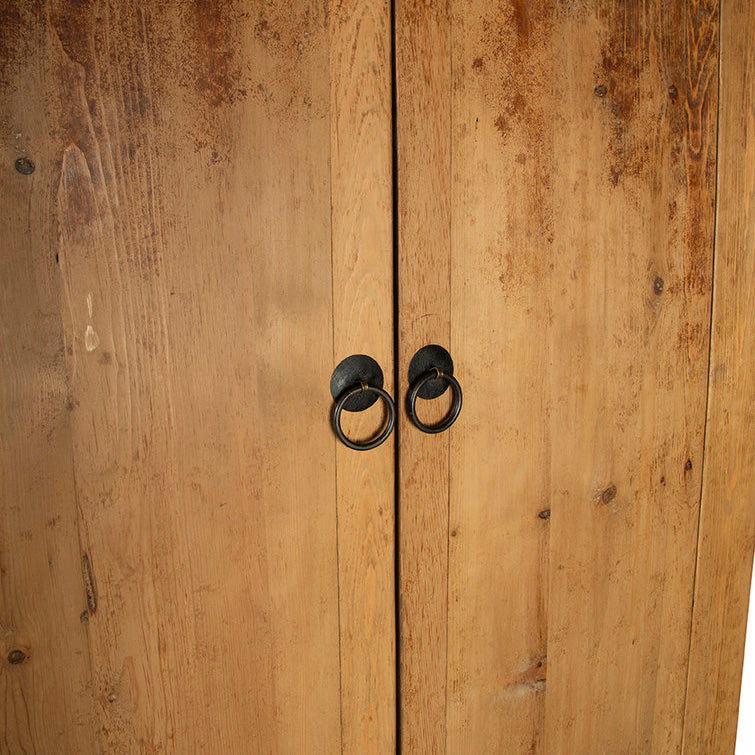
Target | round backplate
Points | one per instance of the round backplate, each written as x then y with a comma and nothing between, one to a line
352,371
423,361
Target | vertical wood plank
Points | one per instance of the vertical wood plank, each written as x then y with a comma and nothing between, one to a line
423,39
582,185
502,253
727,516
194,216
45,691
634,197
196,189
362,250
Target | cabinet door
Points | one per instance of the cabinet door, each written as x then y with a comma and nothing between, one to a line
196,229
557,186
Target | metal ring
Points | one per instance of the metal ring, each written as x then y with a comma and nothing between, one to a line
376,441
450,418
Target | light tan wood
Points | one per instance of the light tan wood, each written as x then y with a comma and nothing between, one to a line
727,516
189,561
423,101
362,241
582,158
502,248
197,303
630,345
188,158
45,692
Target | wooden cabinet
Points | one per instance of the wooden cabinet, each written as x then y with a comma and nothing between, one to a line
207,206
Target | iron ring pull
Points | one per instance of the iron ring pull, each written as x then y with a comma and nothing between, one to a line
435,374
363,387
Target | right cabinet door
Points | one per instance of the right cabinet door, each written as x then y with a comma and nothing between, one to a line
556,212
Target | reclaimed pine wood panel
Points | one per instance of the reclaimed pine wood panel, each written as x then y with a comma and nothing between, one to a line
582,164
46,702
423,268
178,354
727,515
630,344
502,167
362,242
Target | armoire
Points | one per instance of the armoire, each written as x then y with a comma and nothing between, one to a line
211,205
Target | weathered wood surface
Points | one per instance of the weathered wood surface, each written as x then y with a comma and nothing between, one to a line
424,295
362,217
581,150
168,337
727,517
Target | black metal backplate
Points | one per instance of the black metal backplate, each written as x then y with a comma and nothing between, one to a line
423,361
350,373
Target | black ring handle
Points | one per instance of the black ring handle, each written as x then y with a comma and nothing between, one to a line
450,418
363,387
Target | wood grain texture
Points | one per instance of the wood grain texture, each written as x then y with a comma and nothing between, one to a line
582,161
423,101
45,690
629,389
362,243
193,209
501,311
187,334
727,517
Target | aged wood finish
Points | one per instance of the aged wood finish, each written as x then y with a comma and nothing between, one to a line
362,242
189,561
727,516
629,390
423,264
45,695
169,473
582,164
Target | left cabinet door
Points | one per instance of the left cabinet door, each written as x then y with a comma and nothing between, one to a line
196,228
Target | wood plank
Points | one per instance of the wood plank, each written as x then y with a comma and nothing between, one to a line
727,517
424,200
45,689
583,178
501,312
629,387
362,248
637,323
186,188
193,208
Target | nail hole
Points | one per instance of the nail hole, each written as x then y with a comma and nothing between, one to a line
24,165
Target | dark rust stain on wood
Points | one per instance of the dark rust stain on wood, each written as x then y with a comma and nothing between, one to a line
89,584
521,19
15,657
218,67
502,125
